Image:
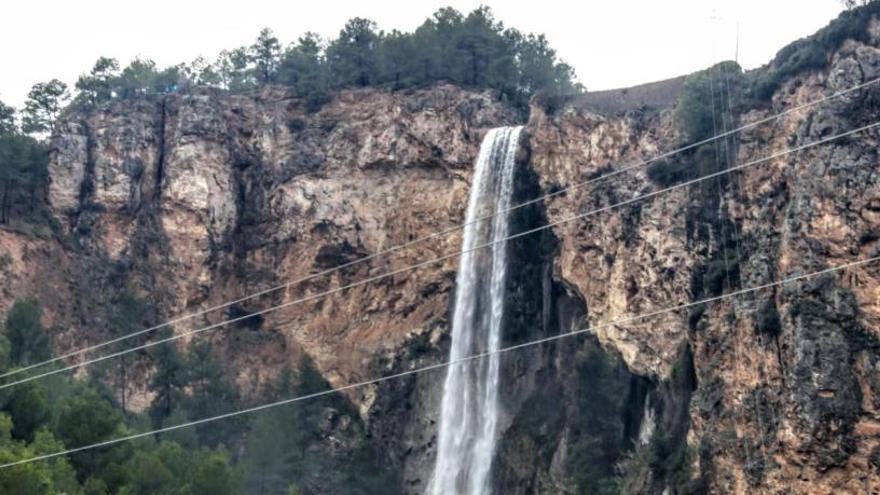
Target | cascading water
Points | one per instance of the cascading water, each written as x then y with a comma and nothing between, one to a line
469,414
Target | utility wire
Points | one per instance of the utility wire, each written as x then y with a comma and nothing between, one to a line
439,233
440,365
440,258
724,238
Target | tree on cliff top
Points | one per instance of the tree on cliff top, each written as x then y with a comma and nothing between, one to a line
23,171
44,103
95,86
264,54
7,120
353,56
472,50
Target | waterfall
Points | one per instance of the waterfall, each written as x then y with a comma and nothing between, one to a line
649,423
469,413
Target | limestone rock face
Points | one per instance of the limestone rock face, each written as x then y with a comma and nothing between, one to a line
195,199
786,378
240,193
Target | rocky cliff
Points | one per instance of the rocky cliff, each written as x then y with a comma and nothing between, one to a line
195,199
785,381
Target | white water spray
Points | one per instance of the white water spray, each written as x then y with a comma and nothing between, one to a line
469,414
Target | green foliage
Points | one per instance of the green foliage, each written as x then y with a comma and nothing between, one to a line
233,70
127,314
27,337
814,52
767,321
56,413
665,462
168,380
55,476
4,352
708,97
285,448
85,418
138,79
23,171
213,475
201,72
23,174
671,458
709,104
397,53
95,86
210,393
23,178
28,407
61,471
149,474
598,437
719,273
353,57
44,103
264,54
666,173
303,68
471,50
7,120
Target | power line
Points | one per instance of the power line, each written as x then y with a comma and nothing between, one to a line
436,234
438,259
444,364
736,347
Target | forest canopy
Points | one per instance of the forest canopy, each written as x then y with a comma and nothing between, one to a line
472,50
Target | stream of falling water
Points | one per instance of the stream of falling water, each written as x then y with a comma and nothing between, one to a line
469,413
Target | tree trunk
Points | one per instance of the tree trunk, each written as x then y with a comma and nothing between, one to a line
3,202
474,67
122,385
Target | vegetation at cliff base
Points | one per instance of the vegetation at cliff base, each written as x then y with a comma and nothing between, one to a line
276,451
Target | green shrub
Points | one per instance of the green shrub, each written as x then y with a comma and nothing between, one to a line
767,321
28,340
705,102
813,52
669,172
718,272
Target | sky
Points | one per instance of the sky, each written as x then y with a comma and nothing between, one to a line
611,44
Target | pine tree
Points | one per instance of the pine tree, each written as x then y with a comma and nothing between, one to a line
95,87
85,418
264,55
398,60
128,315
168,380
478,46
137,79
7,120
233,69
23,171
43,105
211,393
27,338
353,55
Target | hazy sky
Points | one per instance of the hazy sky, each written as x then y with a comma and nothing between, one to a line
610,43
